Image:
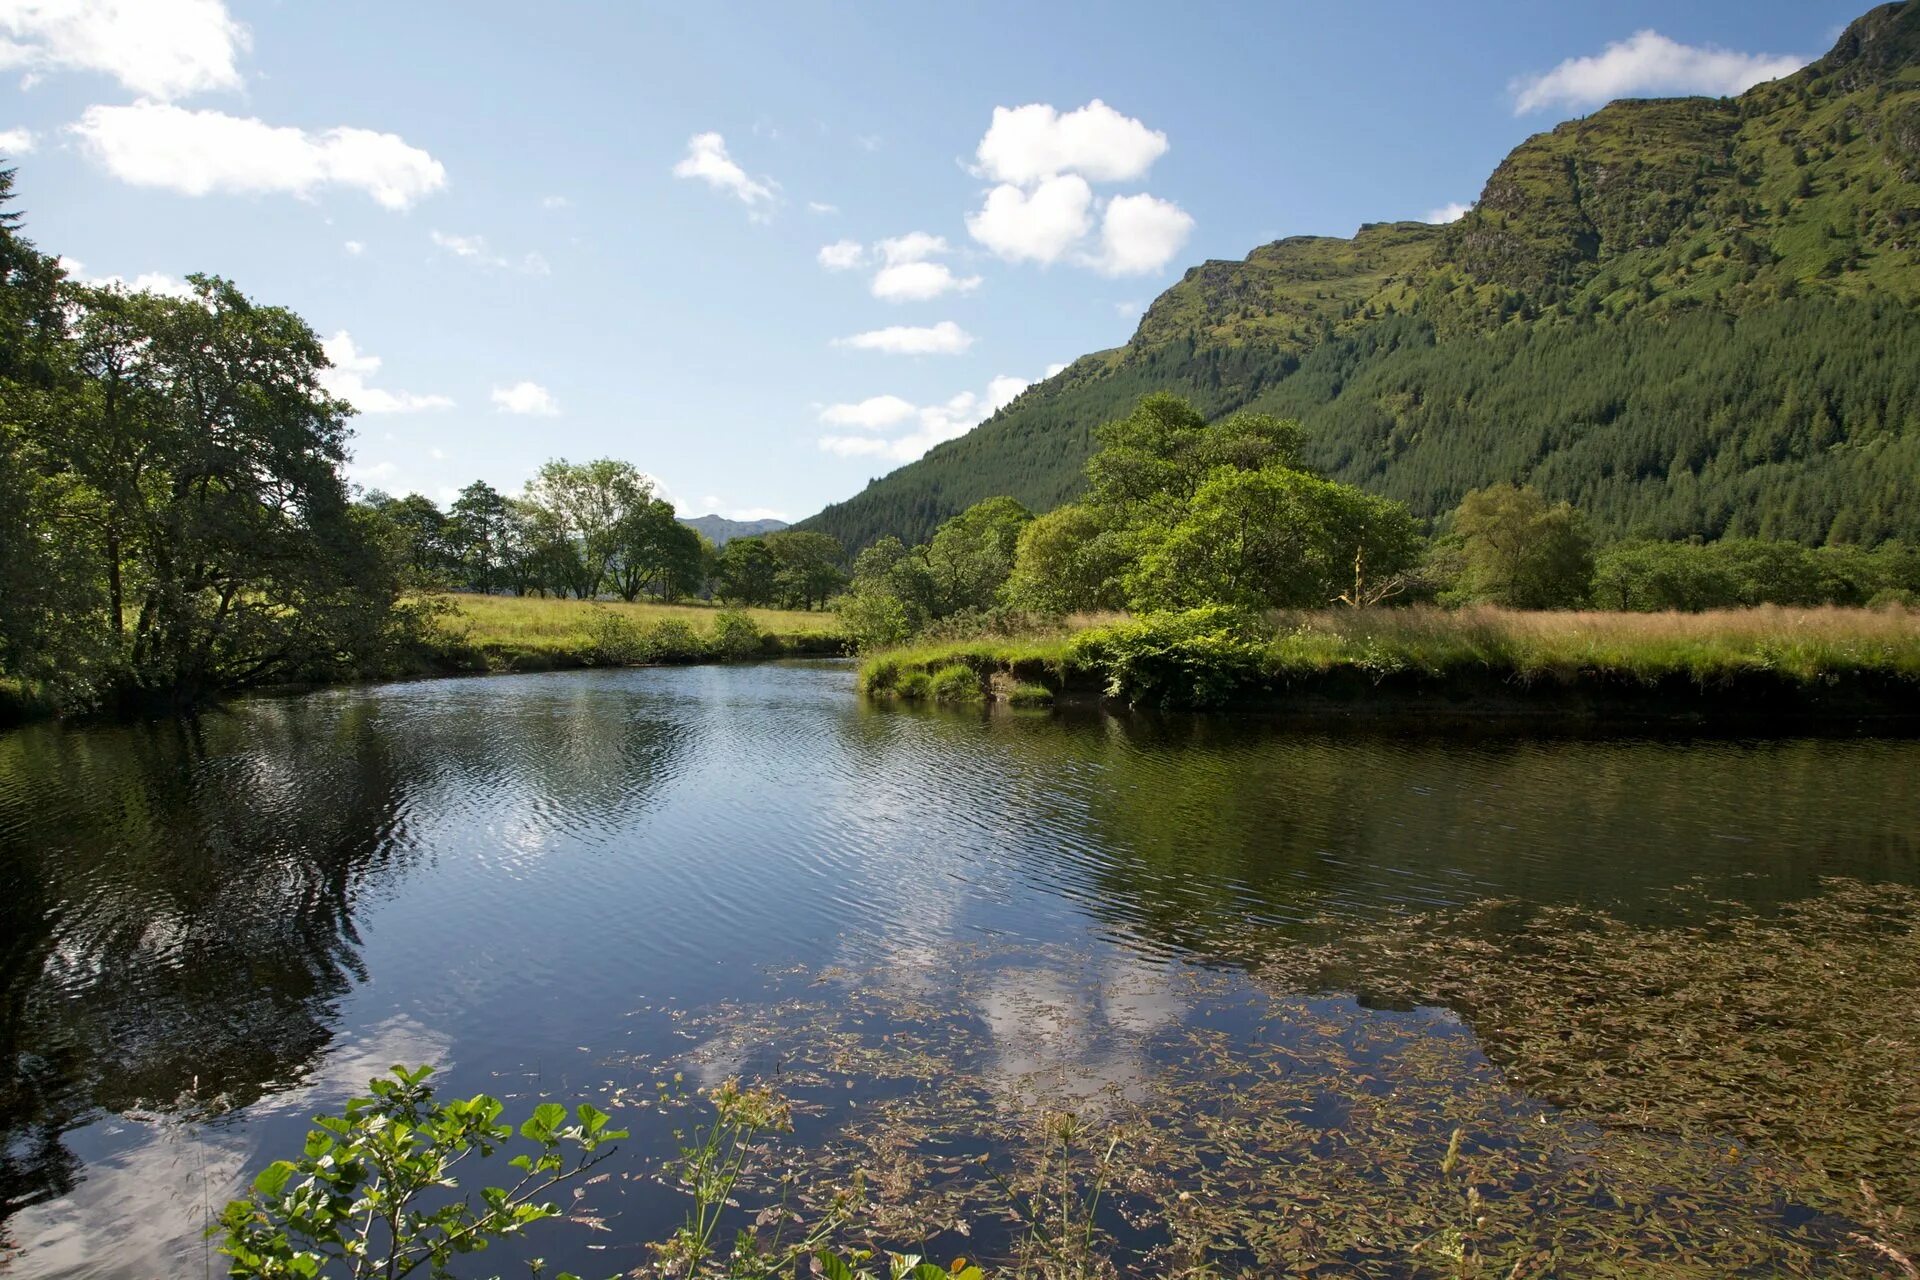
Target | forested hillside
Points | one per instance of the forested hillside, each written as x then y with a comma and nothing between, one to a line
1688,316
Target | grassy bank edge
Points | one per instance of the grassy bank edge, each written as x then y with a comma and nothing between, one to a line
1826,660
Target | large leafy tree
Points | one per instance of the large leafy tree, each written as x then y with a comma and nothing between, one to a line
200,460
1520,550
971,555
588,505
1268,538
808,567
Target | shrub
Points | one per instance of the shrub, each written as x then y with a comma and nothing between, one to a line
617,641
674,640
1030,695
874,619
736,636
1196,658
956,683
913,686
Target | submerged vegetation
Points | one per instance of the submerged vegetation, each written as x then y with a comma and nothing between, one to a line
1724,1094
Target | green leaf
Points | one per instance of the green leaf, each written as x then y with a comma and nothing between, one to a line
273,1178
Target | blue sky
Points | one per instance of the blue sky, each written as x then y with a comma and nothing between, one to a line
768,251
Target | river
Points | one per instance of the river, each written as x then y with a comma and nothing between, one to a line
580,885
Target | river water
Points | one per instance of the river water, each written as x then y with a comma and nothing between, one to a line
578,885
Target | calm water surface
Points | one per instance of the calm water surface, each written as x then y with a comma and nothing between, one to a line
541,882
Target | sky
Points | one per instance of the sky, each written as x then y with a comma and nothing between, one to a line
769,251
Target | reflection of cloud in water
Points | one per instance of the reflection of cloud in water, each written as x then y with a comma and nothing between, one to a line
141,1207
1055,1036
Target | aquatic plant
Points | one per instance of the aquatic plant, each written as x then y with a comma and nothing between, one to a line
367,1197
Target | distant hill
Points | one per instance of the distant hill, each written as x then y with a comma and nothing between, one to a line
720,530
1692,317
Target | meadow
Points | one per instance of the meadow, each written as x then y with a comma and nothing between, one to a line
529,633
1220,657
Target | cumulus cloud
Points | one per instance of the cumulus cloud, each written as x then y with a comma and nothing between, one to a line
905,273
947,420
1452,211
529,398
707,160
154,144
352,368
145,282
1026,145
943,339
157,48
1140,234
1648,63
16,142
842,255
1043,209
875,413
919,281
475,250
354,248
1036,226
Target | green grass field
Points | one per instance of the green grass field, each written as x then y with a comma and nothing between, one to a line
1173,660
530,632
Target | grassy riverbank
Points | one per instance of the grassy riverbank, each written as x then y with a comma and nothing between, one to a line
514,633
1764,660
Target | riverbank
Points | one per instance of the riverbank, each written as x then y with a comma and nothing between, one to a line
470,633
1761,665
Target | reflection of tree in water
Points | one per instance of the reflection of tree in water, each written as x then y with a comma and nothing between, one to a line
1211,837
177,901
178,913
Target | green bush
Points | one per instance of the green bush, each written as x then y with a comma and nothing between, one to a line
913,686
617,641
673,640
1030,695
736,636
956,683
1196,658
873,619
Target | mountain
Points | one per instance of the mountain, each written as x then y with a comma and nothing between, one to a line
1690,317
720,530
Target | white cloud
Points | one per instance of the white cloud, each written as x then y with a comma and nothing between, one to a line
555,202
475,249
1060,367
354,248
842,255
1036,226
947,420
1141,234
1452,211
919,281
1028,144
158,48
1126,310
526,398
875,413
822,208
152,144
348,381
16,142
915,246
146,282
943,339
1648,63
707,159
